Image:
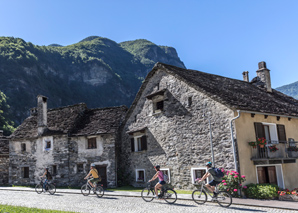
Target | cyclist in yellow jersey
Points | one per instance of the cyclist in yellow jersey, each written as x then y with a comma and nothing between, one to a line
95,177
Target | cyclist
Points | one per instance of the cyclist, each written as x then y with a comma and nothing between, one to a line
161,182
216,180
95,177
48,176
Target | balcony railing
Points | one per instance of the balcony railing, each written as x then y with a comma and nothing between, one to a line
285,150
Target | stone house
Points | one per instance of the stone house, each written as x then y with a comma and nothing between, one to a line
168,124
4,159
66,140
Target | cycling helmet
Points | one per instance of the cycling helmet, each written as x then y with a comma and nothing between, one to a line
157,166
209,164
92,164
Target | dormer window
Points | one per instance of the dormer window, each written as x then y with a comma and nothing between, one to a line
158,99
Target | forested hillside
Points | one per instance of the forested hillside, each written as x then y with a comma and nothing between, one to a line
96,70
290,89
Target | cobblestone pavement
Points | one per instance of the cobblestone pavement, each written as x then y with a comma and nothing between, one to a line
80,203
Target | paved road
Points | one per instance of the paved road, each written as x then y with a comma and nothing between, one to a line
80,203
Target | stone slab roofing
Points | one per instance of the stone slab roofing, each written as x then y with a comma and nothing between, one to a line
235,94
74,120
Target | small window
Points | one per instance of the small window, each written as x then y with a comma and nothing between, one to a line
54,170
140,175
48,144
139,143
198,173
189,101
80,168
159,105
25,172
23,147
92,143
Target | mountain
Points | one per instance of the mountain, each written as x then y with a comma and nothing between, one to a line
290,89
96,70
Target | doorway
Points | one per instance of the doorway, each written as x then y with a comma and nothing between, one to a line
102,171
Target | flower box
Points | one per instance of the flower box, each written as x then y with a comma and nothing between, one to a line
288,197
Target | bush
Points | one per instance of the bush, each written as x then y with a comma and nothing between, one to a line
232,182
261,191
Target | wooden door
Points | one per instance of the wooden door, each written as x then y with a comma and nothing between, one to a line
102,171
272,175
261,174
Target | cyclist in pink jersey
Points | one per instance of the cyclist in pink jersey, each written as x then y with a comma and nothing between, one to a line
161,181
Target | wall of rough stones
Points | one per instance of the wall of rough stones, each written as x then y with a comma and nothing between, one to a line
178,138
4,159
66,154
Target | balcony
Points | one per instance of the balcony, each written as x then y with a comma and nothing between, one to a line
286,152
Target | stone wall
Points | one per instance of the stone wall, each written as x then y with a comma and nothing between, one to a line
4,159
177,138
66,153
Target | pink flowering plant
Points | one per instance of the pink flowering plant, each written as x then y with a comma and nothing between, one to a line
232,182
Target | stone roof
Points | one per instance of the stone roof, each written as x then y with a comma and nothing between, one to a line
75,120
100,121
235,94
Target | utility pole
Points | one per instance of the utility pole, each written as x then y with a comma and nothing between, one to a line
210,131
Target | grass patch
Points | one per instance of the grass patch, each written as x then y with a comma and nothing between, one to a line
19,209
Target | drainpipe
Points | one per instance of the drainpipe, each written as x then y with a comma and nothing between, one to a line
233,141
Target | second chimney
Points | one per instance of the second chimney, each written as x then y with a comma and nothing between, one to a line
42,111
245,76
264,74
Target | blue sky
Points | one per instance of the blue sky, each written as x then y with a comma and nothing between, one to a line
224,37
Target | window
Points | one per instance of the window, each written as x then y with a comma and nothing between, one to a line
139,143
54,170
273,133
198,173
23,147
166,172
92,143
159,105
25,172
189,101
140,175
80,168
270,174
48,144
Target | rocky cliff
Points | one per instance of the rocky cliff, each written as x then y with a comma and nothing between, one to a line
96,70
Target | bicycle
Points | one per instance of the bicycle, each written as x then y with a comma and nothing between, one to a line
86,188
223,198
168,194
49,187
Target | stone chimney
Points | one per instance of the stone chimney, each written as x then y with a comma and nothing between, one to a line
42,110
264,75
245,76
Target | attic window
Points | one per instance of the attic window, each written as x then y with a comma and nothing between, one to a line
159,105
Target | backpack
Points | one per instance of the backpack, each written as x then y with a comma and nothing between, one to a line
165,178
49,176
218,173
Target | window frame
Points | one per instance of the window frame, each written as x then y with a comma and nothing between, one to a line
193,174
78,168
23,147
45,141
137,175
137,142
273,134
278,172
92,138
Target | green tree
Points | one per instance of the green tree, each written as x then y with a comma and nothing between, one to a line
5,123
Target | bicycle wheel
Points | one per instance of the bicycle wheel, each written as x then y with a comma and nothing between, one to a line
85,190
99,191
147,195
170,196
199,197
51,188
38,188
224,199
